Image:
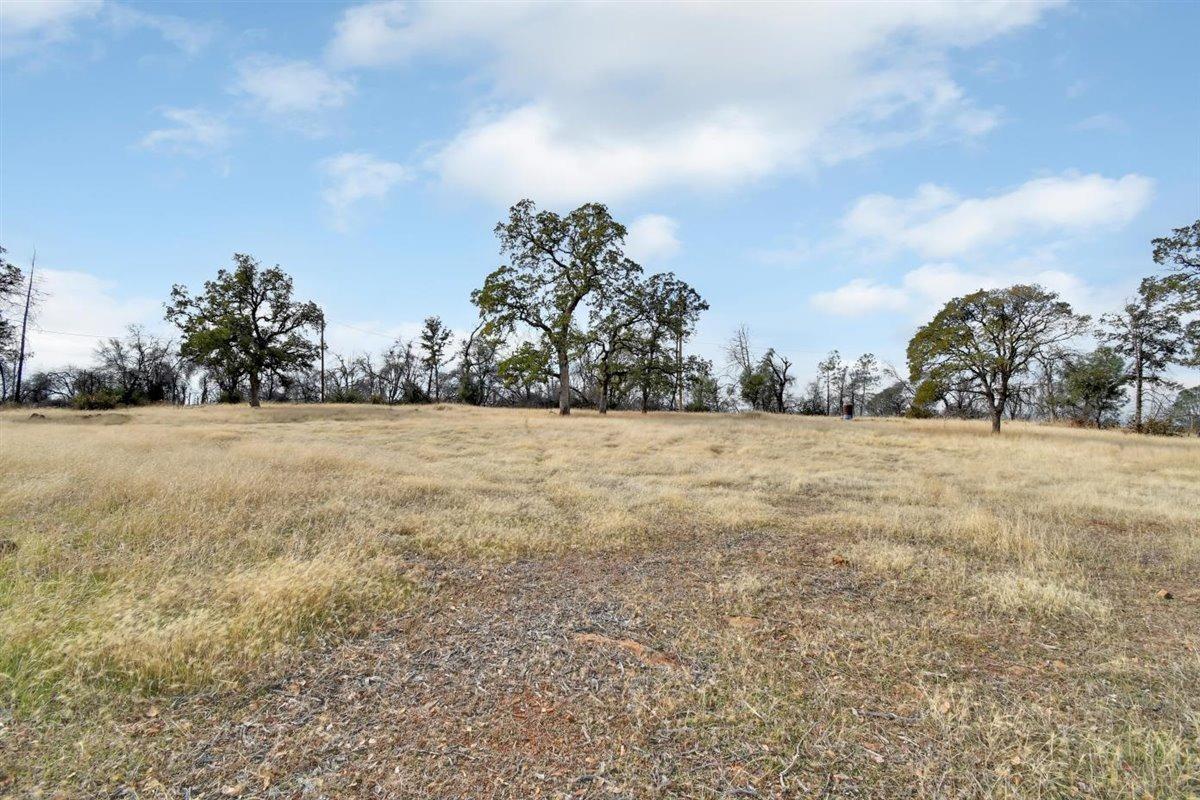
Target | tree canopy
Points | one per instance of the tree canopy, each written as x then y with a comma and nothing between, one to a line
245,323
555,262
1180,253
986,338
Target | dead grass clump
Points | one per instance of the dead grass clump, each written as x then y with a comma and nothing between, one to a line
186,632
1040,597
883,556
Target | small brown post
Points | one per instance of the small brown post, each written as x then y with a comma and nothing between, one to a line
847,411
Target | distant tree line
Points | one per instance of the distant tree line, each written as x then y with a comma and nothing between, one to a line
1009,353
568,320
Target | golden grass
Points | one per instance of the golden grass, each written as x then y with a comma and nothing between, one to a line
165,550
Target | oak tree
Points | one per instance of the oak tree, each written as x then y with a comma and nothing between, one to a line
555,263
984,340
245,323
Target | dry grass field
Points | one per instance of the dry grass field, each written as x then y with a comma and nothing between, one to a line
450,602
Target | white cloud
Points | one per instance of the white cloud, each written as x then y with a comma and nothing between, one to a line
1107,123
193,132
601,102
27,25
651,238
77,308
924,290
524,154
188,35
859,297
936,223
353,177
290,88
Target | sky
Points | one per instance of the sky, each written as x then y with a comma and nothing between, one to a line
826,174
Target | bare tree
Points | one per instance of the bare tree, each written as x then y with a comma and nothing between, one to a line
24,328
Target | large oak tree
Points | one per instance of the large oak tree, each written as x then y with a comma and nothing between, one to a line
987,338
555,262
245,323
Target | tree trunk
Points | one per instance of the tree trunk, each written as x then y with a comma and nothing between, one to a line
1137,389
998,404
564,383
602,400
679,371
24,328
254,389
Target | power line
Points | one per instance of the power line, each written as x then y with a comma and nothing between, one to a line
363,330
71,333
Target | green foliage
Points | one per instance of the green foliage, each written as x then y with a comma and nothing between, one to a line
100,400
984,339
668,311
528,365
929,392
340,394
704,390
1180,252
1095,385
245,323
1159,426
764,385
554,263
890,401
11,282
435,338
1185,411
1148,331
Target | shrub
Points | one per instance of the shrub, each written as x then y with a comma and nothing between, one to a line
340,395
1156,426
96,401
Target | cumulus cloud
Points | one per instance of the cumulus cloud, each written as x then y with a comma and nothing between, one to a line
652,238
588,102
937,223
860,297
353,177
27,25
924,290
191,132
524,153
77,308
284,88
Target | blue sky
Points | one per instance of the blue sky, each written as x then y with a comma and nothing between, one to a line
825,174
